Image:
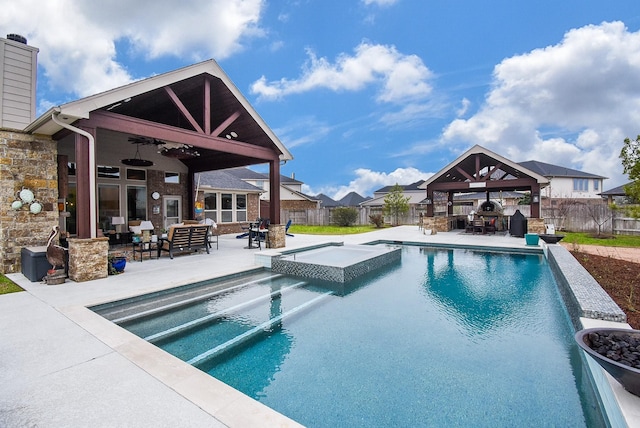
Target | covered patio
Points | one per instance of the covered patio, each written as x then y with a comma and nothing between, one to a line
479,170
132,153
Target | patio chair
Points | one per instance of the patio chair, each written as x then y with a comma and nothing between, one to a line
286,228
491,226
213,232
478,226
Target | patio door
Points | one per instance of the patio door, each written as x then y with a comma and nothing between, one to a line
172,210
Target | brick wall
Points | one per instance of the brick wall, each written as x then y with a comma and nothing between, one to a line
31,162
298,205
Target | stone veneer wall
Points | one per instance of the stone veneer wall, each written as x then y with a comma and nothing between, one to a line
536,225
88,259
439,224
276,236
27,161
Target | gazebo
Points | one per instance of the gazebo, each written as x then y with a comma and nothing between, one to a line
479,169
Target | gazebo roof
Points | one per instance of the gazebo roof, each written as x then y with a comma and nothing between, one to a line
479,168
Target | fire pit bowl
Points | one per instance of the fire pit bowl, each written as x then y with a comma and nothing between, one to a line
617,344
551,239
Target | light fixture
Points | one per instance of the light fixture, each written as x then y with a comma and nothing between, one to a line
117,221
136,160
536,198
146,226
183,151
231,135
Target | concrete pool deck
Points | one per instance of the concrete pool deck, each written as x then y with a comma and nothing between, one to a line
61,365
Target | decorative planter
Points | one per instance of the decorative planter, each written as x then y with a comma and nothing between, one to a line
531,238
118,264
627,376
550,238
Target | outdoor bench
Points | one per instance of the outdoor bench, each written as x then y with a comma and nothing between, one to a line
184,238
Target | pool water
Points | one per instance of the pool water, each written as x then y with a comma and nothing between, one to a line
445,338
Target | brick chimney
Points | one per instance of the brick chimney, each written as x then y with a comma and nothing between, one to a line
18,74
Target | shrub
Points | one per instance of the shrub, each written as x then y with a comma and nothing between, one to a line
377,220
345,216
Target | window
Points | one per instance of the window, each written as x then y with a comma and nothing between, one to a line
108,204
136,174
580,185
172,177
596,185
226,207
108,171
241,207
210,206
136,203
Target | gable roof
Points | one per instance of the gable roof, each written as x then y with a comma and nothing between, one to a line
196,105
480,167
247,174
224,180
407,187
327,201
617,191
352,199
550,170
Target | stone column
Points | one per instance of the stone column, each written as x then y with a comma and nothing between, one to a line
88,258
276,236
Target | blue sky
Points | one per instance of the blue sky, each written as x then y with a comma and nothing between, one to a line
368,93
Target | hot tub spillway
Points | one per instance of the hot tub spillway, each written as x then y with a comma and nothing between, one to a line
336,263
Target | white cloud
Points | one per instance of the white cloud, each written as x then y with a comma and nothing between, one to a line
464,107
304,130
401,77
585,88
379,2
367,181
78,37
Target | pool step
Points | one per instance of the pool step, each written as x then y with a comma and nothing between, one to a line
216,315
189,301
259,329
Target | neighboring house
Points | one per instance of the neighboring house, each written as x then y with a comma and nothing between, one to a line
326,201
566,183
352,199
291,195
415,195
617,195
411,191
227,200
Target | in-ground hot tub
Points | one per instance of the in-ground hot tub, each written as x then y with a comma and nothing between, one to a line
335,263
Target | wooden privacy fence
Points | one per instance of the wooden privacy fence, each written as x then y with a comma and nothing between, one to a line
574,217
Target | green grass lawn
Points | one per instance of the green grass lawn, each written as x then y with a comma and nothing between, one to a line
330,230
606,241
7,286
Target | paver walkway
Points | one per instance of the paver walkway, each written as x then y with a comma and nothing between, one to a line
622,253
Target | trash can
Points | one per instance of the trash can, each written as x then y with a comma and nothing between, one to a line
34,264
518,224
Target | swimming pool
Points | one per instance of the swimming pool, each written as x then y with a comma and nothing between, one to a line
448,337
